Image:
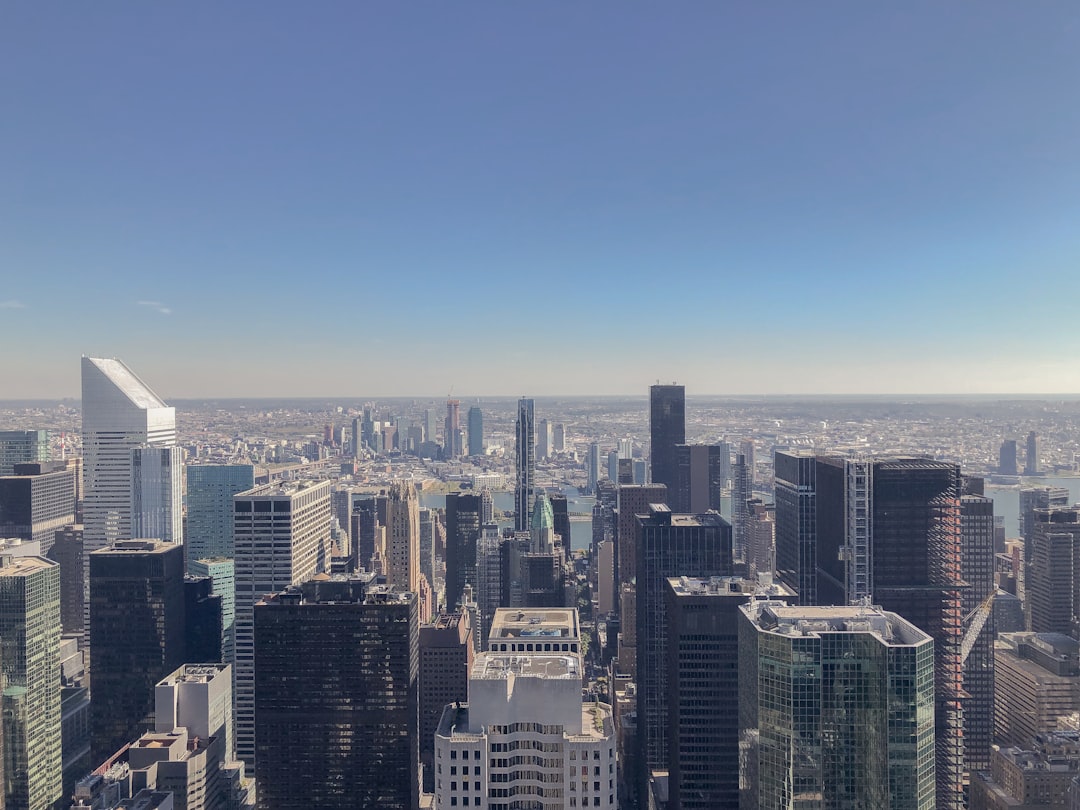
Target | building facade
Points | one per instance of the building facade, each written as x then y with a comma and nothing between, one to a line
210,490
524,464
667,429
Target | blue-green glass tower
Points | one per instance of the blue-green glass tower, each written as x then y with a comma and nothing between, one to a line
210,489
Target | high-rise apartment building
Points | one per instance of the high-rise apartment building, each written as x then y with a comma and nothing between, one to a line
796,522
210,490
525,738
1052,572
593,466
544,439
1032,462
463,521
1007,458
281,536
30,663
670,545
977,571
336,696
667,428
403,537
742,490
22,447
36,503
157,493
703,674
476,431
67,550
840,703
452,435
524,465
136,633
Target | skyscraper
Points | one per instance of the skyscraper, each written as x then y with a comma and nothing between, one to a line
524,465
336,696
670,546
703,470
36,503
741,492
222,573
525,696
977,570
1052,573
1007,457
447,649
667,428
157,493
841,701
136,633
1032,462
281,537
30,661
403,537
558,444
703,671
544,439
452,436
463,521
22,447
120,414
796,523
210,490
476,431
593,466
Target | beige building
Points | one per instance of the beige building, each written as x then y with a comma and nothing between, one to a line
1035,779
1036,685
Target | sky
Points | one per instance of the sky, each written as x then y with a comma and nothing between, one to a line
542,198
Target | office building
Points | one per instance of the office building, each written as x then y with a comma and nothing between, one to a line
703,671
30,663
796,522
403,537
427,544
670,545
222,574
476,431
760,539
281,535
592,466
23,447
1036,685
977,570
452,429
542,567
860,732
210,490
202,621
667,428
1032,463
197,697
120,414
703,470
36,503
632,500
1052,572
489,578
559,438
524,465
1037,776
525,696
157,493
447,649
463,521
1032,498
336,696
1007,458
544,439
136,633
67,550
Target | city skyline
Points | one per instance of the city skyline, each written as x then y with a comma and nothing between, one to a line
872,199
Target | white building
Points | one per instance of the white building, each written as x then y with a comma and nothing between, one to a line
525,736
281,536
120,415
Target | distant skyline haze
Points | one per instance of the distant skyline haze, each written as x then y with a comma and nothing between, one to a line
531,199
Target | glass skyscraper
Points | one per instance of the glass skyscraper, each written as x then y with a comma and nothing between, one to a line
210,490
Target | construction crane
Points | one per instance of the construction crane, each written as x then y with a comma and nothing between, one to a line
975,621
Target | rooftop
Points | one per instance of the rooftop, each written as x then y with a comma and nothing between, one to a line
11,566
514,623
812,621
195,673
127,382
500,666
137,546
728,586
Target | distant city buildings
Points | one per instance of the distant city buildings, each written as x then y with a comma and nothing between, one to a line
22,447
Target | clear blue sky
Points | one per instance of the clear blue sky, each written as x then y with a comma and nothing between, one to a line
541,197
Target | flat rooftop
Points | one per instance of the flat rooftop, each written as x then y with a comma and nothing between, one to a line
812,620
139,545
728,586
596,722
500,666
24,566
538,623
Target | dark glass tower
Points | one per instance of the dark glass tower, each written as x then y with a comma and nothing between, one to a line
525,465
667,428
136,634
476,431
336,701
670,545
796,523
462,532
977,570
703,470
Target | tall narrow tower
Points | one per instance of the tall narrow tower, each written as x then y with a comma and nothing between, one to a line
476,431
667,428
525,464
403,537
